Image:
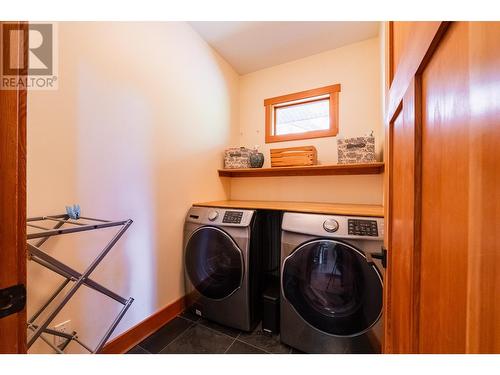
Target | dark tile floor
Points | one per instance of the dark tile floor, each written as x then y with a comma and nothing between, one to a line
190,334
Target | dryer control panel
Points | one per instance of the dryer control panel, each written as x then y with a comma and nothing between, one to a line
360,227
232,217
219,216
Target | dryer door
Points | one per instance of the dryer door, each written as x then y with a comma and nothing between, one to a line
332,287
214,263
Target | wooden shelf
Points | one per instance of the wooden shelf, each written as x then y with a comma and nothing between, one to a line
308,207
313,170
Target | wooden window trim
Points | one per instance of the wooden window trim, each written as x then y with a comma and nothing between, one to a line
271,103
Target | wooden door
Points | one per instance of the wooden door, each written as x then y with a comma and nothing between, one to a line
13,201
443,202
483,257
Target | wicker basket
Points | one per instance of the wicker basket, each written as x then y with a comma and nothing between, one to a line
356,150
237,157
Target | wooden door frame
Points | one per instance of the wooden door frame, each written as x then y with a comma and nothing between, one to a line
13,110
404,82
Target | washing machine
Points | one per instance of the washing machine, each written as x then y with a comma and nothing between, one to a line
331,283
222,255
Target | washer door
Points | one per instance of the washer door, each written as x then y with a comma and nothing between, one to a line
332,287
214,263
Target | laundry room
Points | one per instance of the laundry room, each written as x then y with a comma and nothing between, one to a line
115,169
248,187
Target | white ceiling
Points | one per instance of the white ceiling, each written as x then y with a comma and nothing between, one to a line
250,46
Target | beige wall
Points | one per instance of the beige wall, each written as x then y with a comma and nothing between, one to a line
357,68
135,130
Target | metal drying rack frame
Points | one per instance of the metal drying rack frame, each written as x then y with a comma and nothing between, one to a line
39,256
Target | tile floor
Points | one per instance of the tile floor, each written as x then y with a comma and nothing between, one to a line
190,334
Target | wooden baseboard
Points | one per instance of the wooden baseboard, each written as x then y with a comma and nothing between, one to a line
130,338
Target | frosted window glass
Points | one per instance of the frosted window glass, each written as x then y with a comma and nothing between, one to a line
303,117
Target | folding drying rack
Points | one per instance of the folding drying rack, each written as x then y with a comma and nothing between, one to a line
39,256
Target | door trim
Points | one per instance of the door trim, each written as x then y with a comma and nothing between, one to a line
13,199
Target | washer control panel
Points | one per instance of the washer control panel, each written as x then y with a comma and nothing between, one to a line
361,227
232,217
334,226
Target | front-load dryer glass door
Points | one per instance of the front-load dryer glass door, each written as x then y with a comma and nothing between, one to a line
332,287
214,263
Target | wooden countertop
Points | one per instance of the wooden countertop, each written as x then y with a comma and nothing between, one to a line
308,207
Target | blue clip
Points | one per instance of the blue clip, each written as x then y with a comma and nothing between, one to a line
73,211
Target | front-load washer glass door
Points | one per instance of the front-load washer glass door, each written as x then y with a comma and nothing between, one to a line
214,263
332,287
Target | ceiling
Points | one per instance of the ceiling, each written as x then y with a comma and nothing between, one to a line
250,46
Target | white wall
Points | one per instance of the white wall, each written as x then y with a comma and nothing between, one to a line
357,68
135,130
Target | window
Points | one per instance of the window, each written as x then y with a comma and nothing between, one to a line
302,115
